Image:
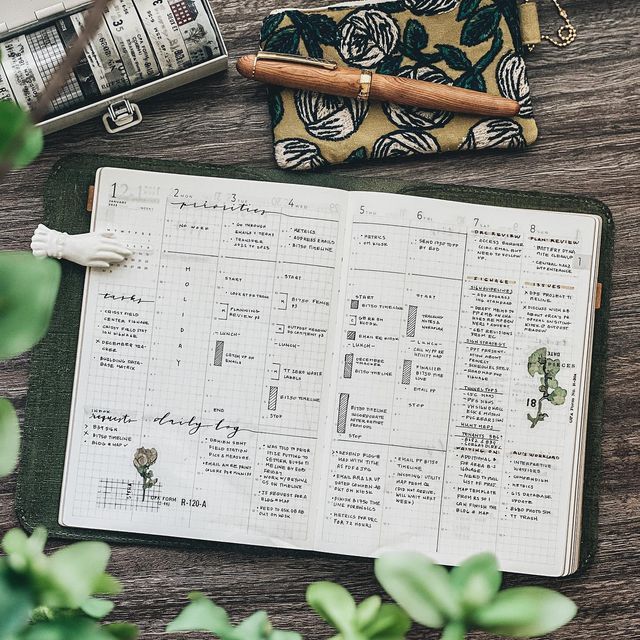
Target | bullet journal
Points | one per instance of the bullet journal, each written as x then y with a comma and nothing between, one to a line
341,371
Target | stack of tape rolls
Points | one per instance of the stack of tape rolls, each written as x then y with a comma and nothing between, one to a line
137,41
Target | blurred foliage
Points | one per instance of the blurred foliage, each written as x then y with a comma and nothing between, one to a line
53,597
28,289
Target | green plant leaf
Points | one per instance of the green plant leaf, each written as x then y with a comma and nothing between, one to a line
333,603
455,58
201,615
107,585
367,610
536,362
525,612
477,580
415,36
121,630
96,608
481,26
466,8
16,603
14,122
255,627
9,438
454,631
75,570
15,541
390,623
73,628
278,634
558,396
28,289
23,551
421,588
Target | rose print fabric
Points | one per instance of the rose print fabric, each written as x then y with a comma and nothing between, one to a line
465,43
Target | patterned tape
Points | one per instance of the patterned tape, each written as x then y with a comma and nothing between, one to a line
82,70
165,35
196,29
48,52
137,41
132,42
5,89
21,70
103,58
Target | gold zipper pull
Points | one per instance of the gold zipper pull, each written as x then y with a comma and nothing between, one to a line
530,27
567,33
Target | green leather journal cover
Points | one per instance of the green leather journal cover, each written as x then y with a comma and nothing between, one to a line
53,360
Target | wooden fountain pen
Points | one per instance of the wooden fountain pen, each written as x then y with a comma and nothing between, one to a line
324,76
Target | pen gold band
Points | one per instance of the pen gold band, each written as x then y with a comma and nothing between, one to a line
365,85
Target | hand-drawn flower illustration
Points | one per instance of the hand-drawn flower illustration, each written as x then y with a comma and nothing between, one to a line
298,154
513,83
547,368
404,143
494,134
329,117
366,37
410,117
430,7
142,461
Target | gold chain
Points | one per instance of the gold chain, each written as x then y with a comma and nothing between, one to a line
567,33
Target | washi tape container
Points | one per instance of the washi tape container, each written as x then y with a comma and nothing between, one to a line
143,48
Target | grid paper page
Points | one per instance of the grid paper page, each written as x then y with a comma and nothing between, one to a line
445,437
208,346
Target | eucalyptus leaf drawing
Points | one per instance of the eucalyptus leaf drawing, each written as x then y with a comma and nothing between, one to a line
540,364
143,459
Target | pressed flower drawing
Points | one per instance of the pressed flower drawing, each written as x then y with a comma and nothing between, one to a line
142,461
547,368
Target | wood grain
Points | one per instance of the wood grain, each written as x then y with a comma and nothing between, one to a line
587,101
347,83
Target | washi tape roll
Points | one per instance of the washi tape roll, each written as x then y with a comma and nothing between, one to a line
132,42
103,57
82,70
48,52
21,71
165,35
5,90
196,28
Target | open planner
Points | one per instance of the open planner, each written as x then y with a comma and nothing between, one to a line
347,372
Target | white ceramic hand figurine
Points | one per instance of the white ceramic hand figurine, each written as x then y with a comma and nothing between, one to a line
87,249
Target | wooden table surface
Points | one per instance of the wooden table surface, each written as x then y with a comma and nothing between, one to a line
587,100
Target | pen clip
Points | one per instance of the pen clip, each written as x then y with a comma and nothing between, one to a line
296,59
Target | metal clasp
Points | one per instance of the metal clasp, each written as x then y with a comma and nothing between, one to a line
121,115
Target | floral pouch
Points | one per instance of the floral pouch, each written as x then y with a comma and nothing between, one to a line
474,44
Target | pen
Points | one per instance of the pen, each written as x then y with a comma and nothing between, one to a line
324,76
